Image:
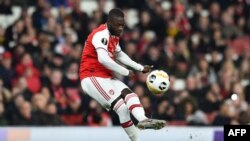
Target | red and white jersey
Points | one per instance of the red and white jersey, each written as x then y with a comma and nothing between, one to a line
100,38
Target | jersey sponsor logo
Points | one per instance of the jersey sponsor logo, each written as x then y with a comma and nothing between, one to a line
111,92
104,41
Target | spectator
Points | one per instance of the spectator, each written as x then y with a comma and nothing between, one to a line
7,72
2,37
145,22
5,7
52,116
21,87
210,103
207,74
97,116
71,77
81,26
6,95
57,3
244,71
25,117
57,91
41,15
44,111
146,103
225,116
3,121
165,111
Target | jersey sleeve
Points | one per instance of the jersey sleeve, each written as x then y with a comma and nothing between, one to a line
100,40
125,59
118,48
105,60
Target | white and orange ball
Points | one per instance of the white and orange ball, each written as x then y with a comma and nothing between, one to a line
158,82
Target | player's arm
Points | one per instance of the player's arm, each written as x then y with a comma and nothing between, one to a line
100,42
126,60
105,60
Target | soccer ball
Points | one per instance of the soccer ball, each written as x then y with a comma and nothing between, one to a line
158,82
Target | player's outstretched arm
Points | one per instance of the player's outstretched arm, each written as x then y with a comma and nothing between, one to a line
125,59
105,60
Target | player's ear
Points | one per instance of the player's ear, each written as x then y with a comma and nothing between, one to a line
109,23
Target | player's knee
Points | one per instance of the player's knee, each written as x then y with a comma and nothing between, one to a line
120,106
125,92
123,113
123,108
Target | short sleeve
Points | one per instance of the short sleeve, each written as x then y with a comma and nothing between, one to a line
100,40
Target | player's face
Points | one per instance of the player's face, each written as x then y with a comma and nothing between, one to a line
116,25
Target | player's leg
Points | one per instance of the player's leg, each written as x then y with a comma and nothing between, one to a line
122,111
103,91
93,88
134,104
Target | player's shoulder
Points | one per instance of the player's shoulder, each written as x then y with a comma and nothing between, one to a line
101,31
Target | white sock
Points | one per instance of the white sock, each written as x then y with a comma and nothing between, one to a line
122,110
131,131
135,106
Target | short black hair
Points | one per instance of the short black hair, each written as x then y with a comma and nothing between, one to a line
116,12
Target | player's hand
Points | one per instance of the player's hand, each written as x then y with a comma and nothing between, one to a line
131,73
147,68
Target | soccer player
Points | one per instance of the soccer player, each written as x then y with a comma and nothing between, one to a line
97,66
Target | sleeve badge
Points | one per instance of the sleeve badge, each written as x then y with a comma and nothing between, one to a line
104,41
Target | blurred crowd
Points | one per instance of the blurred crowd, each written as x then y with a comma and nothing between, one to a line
204,45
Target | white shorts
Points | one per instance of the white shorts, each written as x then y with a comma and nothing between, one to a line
103,90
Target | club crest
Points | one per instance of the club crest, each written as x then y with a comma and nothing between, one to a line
111,92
